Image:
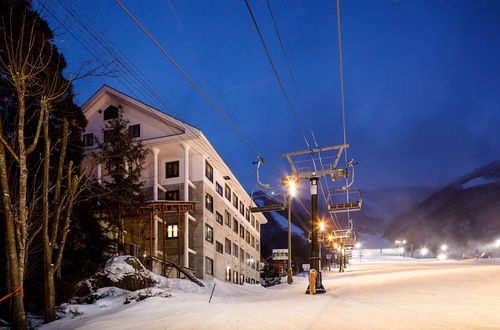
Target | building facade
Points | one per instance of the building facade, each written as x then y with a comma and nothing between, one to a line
221,238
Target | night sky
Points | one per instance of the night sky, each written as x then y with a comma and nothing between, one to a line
422,78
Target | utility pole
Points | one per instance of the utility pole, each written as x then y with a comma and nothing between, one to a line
290,278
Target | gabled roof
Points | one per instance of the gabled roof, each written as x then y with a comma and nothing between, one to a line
155,113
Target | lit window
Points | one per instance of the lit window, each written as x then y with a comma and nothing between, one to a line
257,226
209,233
242,231
209,202
228,273
172,231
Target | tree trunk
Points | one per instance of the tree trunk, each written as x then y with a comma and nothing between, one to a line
49,306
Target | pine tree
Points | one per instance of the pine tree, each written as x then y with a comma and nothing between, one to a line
123,160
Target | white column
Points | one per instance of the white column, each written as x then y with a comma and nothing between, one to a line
186,198
155,151
99,173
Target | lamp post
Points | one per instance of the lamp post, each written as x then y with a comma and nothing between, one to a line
291,194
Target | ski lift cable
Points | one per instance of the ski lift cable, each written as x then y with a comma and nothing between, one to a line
188,78
301,103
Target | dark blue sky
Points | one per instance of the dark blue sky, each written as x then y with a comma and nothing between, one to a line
422,78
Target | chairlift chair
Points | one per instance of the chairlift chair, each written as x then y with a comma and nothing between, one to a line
267,198
342,201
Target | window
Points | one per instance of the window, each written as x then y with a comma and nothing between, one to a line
172,169
235,250
218,188
235,277
228,246
227,192
235,225
253,221
257,247
242,279
172,195
209,171
228,218
242,255
247,215
172,231
248,261
110,112
135,250
235,201
257,226
242,231
247,280
88,139
219,218
228,273
247,237
209,266
253,281
242,209
209,233
253,241
219,247
107,135
209,202
134,130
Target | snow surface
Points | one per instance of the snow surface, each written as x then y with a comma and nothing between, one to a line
383,291
480,181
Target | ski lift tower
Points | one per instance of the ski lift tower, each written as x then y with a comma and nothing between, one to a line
314,174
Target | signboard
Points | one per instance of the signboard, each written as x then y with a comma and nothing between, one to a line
306,267
280,254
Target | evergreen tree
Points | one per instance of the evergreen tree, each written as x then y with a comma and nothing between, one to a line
123,161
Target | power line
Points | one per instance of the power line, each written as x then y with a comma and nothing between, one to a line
103,58
203,94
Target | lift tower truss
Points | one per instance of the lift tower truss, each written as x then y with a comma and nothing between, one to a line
313,174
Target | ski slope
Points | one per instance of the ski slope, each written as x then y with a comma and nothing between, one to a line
380,292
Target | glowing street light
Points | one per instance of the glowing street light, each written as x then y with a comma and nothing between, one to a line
403,242
442,256
424,251
322,226
357,245
497,243
292,187
444,247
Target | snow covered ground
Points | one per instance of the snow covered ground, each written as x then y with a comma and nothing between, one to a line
380,292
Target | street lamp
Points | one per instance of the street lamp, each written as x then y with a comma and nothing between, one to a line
358,246
292,191
322,226
444,247
497,243
424,251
